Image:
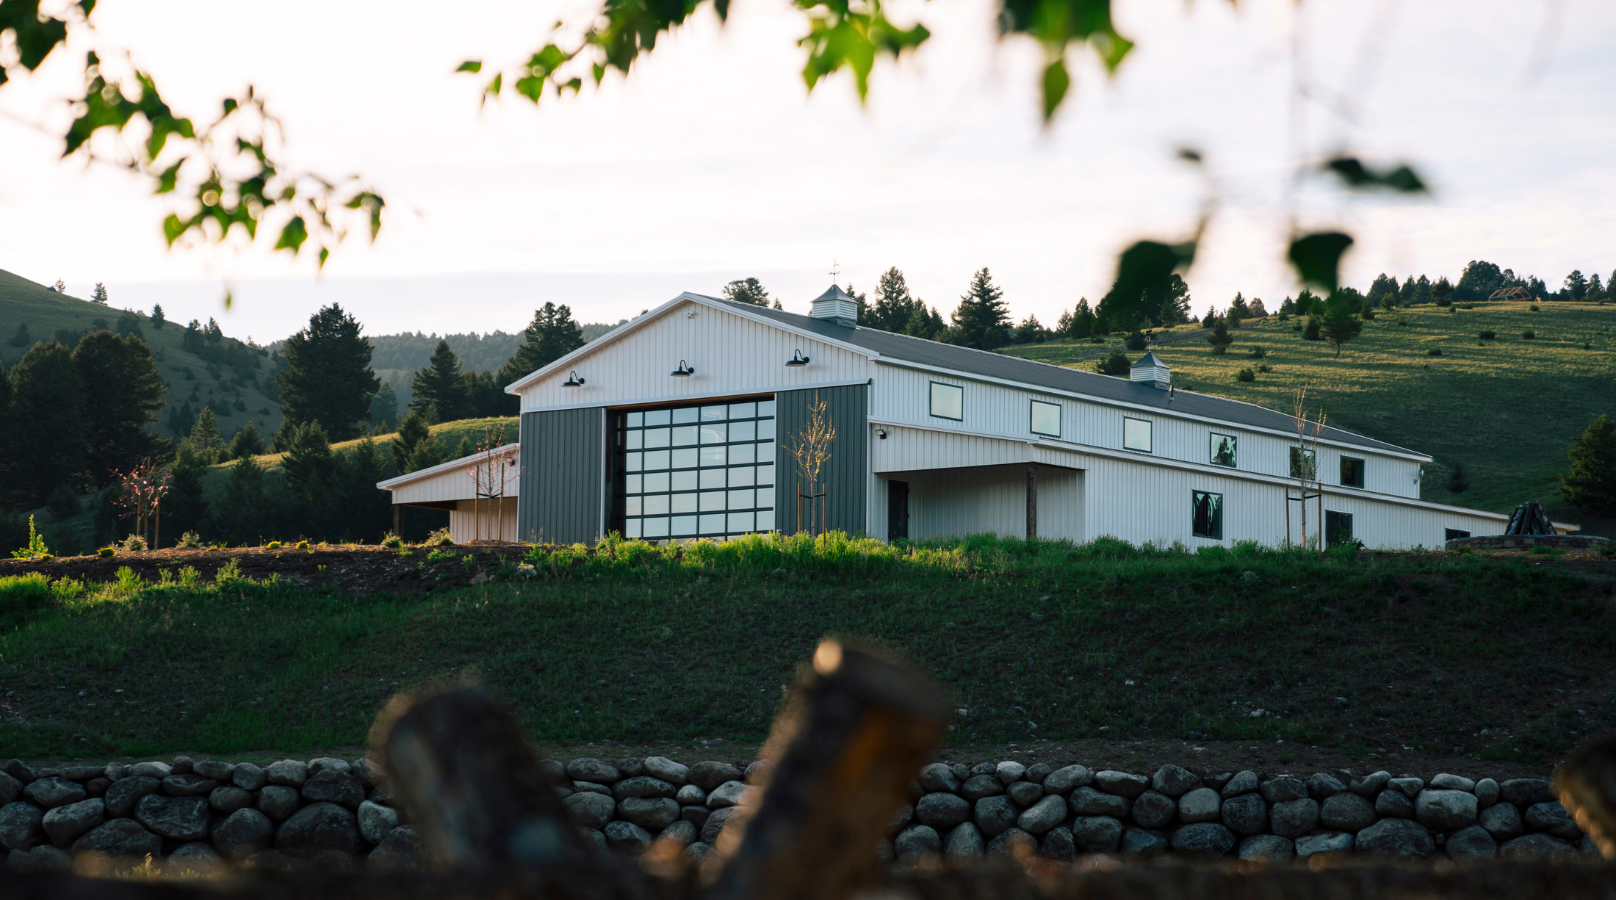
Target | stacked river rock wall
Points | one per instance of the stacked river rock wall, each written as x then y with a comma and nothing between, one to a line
340,813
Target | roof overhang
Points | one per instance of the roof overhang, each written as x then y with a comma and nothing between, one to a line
441,468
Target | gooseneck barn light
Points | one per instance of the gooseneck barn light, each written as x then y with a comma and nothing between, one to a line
573,381
797,360
683,371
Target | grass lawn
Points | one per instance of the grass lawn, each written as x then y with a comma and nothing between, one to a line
1507,408
1492,657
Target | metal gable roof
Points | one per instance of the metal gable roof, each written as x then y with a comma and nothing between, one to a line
1028,372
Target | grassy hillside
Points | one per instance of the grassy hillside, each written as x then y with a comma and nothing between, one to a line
1485,656
1507,408
186,376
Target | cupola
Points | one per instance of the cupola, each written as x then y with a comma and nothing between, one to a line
1152,371
836,305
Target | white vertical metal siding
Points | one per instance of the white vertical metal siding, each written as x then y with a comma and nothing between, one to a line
453,484
490,521
731,355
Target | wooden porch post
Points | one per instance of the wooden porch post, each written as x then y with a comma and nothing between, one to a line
1032,500
397,528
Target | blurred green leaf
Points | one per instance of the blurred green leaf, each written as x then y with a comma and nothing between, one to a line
1355,174
471,65
1056,81
293,235
1317,258
1149,264
173,228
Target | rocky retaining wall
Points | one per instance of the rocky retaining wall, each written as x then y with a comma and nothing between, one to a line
339,813
1528,541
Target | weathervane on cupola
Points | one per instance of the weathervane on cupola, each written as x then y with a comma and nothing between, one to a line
835,273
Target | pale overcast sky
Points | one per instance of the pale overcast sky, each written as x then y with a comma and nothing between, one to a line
712,162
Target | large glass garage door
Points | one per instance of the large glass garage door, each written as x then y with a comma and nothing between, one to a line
696,471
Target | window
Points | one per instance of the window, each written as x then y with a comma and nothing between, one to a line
695,471
1046,418
1351,472
1136,435
1223,450
1206,510
1337,527
947,401
1453,534
1303,464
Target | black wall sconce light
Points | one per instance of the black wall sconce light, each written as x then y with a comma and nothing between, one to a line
797,360
881,433
683,371
573,381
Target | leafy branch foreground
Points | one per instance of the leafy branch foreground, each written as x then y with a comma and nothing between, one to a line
1493,656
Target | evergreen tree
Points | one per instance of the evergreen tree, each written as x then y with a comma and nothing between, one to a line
1083,320
50,445
1442,292
308,460
1238,310
368,510
1405,294
157,320
1258,311
428,453
982,317
1382,286
747,290
411,432
486,397
1591,483
21,337
1422,291
1030,331
1311,331
191,340
1115,365
384,410
1458,480
328,378
205,440
213,334
244,511
1478,280
894,305
551,335
129,325
123,395
1340,321
247,442
440,386
1136,341
8,433
1576,287
465,449
1063,325
1308,302
1220,338
185,506
924,323
1596,291
1287,308
99,295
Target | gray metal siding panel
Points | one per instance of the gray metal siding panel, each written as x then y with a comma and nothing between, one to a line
845,475
562,476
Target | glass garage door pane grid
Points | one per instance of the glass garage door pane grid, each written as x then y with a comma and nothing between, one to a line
698,471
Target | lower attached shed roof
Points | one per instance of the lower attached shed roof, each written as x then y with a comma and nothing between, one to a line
441,485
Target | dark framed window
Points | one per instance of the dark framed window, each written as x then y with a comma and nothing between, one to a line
1304,464
1206,515
1449,534
1352,472
948,401
1337,527
1045,418
694,471
1224,447
1136,435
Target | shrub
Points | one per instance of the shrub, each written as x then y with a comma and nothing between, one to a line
302,545
134,544
273,545
1265,368
1528,334
1488,335
1434,351
1258,353
36,545
190,540
1467,306
105,552
1245,375
443,537
1458,481
1535,308
392,541
1311,332
20,594
1136,340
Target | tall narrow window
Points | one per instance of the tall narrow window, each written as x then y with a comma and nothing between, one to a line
1206,515
1046,418
947,401
1337,527
1351,471
1303,465
1136,435
1223,450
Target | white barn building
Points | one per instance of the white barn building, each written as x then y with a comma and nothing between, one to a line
674,426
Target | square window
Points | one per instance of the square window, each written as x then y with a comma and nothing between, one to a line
656,437
636,419
740,522
656,459
742,453
742,431
765,497
714,413
1046,418
765,408
1136,435
1223,449
684,415
656,528
657,417
712,501
1337,527
947,401
684,435
742,476
656,483
742,410
631,484
765,474
713,433
632,439
1352,471
683,481
712,478
684,458
1206,515
743,499
765,520
683,526
1303,464
712,524
656,504
765,429
633,462
714,456
631,528
683,503
631,506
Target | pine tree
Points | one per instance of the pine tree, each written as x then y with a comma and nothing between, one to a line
1340,321
747,290
384,410
247,442
440,387
486,397
1596,291
894,306
1220,338
123,396
328,379
1083,320
205,439
428,453
191,340
1030,331
465,449
244,511
1576,287
1591,483
307,465
982,317
367,510
1442,292
1063,325
551,335
184,506
129,325
99,295
21,337
50,444
925,323
1258,311
1458,480
1115,365
1422,291
157,320
411,432
1382,285
8,433
1238,310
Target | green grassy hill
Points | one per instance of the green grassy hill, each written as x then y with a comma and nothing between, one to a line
1507,408
187,376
